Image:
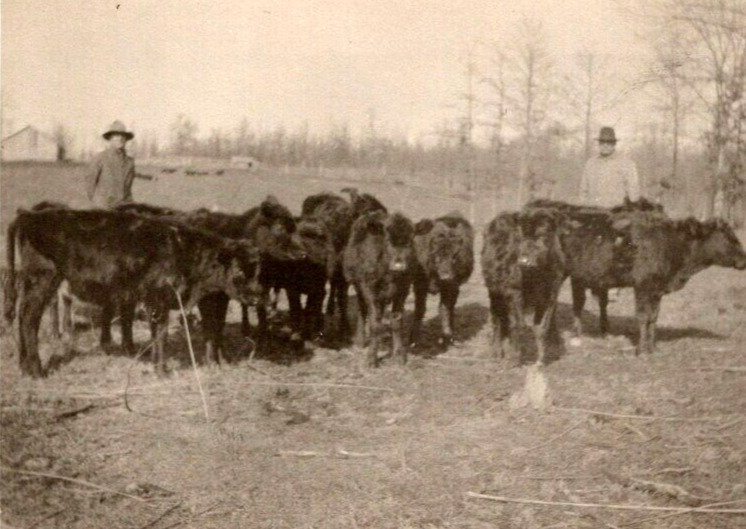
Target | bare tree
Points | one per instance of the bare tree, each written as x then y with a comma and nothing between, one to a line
532,67
496,104
713,68
183,135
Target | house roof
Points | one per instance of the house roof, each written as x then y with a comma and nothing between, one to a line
42,134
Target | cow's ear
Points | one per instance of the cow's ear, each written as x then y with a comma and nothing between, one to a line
423,227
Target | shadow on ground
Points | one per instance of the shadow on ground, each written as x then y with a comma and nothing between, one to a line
627,326
469,320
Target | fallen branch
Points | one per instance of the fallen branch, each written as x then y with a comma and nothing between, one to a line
44,519
667,489
557,478
670,470
191,352
317,385
161,516
727,369
614,506
71,480
685,511
339,453
344,453
72,413
550,441
298,453
641,417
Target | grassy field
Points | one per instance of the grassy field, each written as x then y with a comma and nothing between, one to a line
320,442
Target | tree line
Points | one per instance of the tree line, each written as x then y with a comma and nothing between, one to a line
525,120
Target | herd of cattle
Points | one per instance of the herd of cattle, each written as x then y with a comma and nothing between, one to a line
164,258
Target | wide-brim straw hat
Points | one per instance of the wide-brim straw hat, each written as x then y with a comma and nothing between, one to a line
118,128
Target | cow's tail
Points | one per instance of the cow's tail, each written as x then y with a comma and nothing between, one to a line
11,293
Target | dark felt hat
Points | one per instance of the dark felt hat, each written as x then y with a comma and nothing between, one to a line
118,128
607,135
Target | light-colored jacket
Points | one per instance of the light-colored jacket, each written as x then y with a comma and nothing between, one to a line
607,180
109,180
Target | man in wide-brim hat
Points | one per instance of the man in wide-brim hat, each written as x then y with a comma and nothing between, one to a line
608,178
109,181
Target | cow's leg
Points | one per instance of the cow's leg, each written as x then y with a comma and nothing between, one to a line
543,315
36,292
158,329
295,309
54,315
107,314
603,304
264,338
496,314
448,297
212,309
420,306
314,314
362,317
331,302
399,350
245,326
374,322
642,311
126,319
502,324
341,292
68,331
655,304
578,302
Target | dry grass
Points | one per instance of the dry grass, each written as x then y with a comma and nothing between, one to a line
272,455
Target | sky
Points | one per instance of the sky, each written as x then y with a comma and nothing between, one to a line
84,63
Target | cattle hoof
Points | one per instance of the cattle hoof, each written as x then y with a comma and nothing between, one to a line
575,341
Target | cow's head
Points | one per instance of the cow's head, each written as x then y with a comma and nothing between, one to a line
399,236
720,246
538,241
315,240
447,250
240,260
273,231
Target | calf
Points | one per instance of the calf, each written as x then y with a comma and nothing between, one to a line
117,257
523,267
594,224
271,228
338,214
445,260
309,276
659,256
379,261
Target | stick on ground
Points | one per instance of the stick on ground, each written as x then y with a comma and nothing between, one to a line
71,480
615,506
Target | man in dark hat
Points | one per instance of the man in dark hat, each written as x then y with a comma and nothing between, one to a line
109,181
609,177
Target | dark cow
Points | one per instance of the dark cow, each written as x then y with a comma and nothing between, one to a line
658,256
523,268
601,223
113,257
310,275
271,228
339,214
379,261
445,260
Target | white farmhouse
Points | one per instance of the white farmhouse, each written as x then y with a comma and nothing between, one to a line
29,143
